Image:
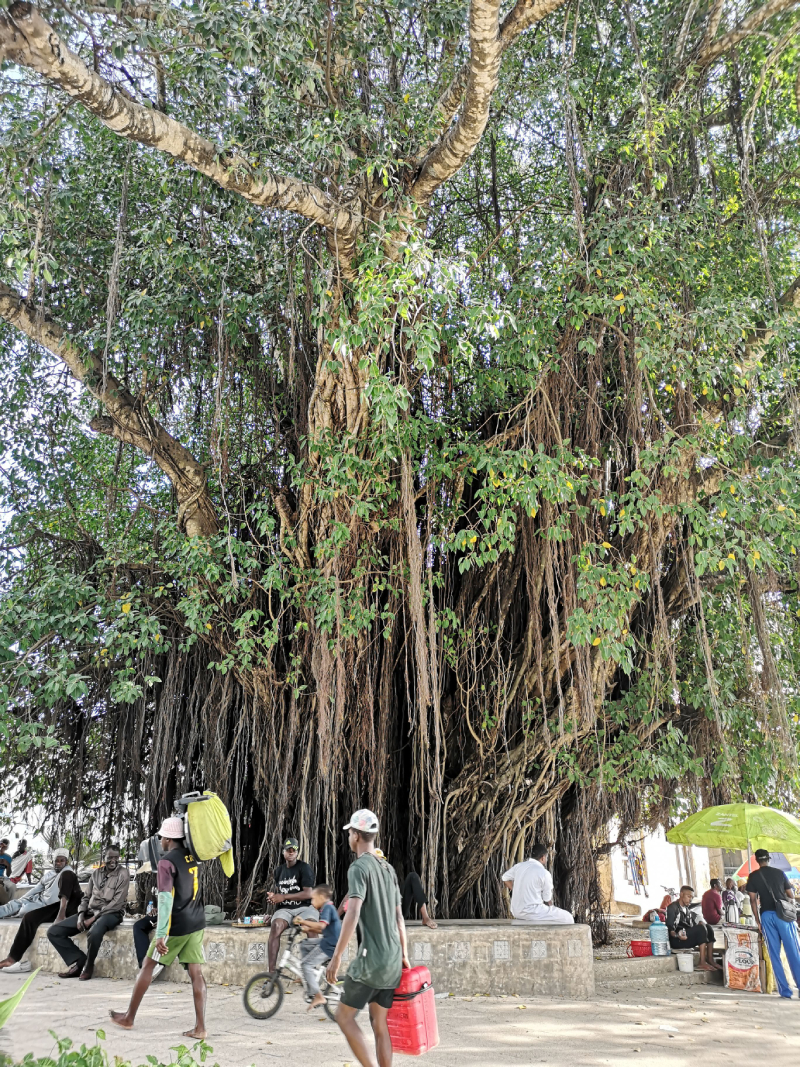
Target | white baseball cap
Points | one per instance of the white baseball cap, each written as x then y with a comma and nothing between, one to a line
364,820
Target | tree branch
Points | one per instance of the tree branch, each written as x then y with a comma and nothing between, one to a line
710,51
126,420
26,39
475,83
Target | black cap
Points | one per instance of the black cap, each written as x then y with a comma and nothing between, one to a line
291,842
762,856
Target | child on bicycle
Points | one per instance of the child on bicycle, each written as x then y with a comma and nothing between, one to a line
322,935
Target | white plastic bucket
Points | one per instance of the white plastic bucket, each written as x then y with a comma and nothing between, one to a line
685,962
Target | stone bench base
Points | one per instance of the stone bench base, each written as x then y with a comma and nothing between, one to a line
464,957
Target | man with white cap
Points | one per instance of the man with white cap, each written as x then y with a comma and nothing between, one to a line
375,905
53,898
101,909
179,932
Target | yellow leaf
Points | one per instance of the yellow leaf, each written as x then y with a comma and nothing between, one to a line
126,608
169,240
473,539
157,637
569,485
620,296
208,625
624,633
610,252
602,581
781,507
633,571
599,273
793,550
721,564
606,544
756,555
622,309
602,510
723,513
596,641
622,513
733,488
731,555
636,584
705,390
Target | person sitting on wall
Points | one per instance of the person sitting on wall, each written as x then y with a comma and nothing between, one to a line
53,898
101,909
687,931
531,886
712,903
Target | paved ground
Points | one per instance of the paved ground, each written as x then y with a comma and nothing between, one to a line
684,1027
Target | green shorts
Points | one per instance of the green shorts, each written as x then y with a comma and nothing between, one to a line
186,948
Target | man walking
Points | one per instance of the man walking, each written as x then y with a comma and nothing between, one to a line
375,905
295,882
53,898
531,886
179,931
766,887
101,909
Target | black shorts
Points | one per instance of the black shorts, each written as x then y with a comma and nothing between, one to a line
695,936
357,995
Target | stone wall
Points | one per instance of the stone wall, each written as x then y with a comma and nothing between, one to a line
465,957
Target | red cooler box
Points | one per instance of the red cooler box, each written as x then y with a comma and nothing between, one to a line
412,1016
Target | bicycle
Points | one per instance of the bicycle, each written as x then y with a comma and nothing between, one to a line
263,994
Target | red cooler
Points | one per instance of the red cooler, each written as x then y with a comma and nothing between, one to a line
412,1016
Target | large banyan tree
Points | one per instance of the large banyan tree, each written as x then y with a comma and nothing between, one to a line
400,410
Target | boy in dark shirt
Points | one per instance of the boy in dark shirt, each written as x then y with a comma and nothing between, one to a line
316,950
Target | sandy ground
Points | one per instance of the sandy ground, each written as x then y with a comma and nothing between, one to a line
679,1027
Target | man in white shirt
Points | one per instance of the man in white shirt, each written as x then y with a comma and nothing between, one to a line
531,886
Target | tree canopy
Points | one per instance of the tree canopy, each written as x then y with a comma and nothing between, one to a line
400,409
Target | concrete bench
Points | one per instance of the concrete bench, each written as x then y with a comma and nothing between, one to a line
464,956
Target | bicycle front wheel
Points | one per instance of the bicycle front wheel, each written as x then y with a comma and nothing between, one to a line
263,996
333,996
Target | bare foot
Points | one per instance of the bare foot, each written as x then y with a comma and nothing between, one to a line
705,967
196,1033
317,1002
430,923
120,1018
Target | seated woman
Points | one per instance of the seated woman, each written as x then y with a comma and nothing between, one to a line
687,931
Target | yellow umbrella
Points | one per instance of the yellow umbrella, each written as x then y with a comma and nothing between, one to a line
739,826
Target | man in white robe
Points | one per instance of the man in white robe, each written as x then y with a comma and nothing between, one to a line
531,886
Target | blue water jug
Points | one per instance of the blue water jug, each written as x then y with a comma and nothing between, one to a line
659,938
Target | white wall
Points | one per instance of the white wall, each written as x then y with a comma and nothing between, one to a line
667,865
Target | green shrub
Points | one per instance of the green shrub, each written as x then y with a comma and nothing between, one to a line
96,1056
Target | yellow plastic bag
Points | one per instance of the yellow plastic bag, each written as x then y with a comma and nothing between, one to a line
210,830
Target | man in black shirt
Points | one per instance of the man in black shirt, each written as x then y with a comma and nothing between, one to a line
765,886
179,932
295,881
686,930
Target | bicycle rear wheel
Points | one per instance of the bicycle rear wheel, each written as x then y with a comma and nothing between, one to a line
263,996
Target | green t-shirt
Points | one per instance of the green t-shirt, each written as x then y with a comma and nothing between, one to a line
379,962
